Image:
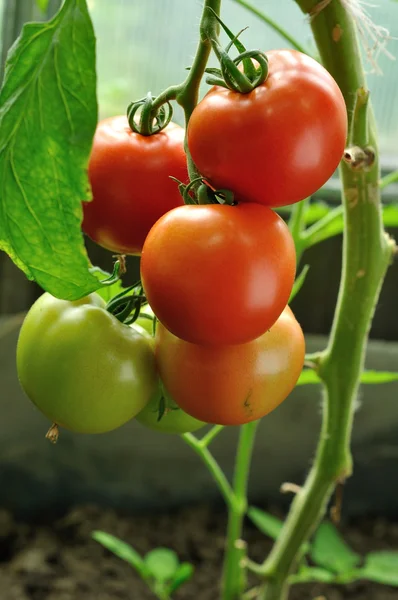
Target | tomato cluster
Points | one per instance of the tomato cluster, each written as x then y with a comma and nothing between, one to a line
218,276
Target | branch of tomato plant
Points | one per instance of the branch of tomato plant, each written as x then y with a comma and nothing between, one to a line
233,580
296,226
367,253
273,24
388,179
212,465
235,497
187,93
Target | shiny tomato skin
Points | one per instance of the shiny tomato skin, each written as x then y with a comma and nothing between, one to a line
218,274
130,180
81,367
232,385
277,144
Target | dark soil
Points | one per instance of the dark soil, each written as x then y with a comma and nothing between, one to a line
60,561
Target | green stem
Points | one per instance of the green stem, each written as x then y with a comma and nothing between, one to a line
318,231
388,180
211,435
296,226
213,466
233,575
275,26
187,93
366,255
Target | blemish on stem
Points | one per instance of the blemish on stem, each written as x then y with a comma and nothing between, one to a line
337,32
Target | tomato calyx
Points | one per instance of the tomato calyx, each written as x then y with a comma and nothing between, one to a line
229,75
152,119
126,306
204,193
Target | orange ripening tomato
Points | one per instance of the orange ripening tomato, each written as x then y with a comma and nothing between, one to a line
277,144
218,274
232,385
130,180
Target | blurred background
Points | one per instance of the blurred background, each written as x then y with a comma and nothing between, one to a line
146,46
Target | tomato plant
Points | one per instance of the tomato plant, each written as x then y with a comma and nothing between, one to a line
145,319
277,144
130,181
163,415
232,385
81,367
218,274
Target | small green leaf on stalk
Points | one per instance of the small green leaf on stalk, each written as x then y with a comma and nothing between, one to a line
269,525
121,550
381,567
390,215
162,564
266,523
298,284
43,5
331,552
48,116
182,575
310,574
315,212
308,376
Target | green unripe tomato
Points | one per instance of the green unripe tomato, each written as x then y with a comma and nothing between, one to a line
172,420
81,367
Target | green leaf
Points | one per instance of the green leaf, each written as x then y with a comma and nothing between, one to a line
266,523
315,212
381,567
121,550
298,284
43,5
162,564
331,224
309,376
390,215
184,573
377,377
309,574
48,115
330,551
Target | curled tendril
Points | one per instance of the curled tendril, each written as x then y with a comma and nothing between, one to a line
152,120
232,77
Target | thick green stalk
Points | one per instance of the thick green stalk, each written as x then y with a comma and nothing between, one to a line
187,93
233,576
367,253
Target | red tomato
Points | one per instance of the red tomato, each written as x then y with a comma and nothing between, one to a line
277,144
130,180
218,274
232,385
